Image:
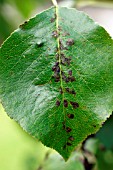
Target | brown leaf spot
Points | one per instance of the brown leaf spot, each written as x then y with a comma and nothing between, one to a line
94,126
22,25
71,138
70,116
65,103
64,77
57,79
61,90
70,42
67,90
74,104
67,61
52,20
65,34
73,92
68,129
53,68
56,67
25,22
70,72
72,79
57,63
59,28
64,126
57,56
67,80
55,34
69,144
57,103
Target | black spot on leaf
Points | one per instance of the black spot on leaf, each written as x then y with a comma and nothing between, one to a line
57,63
70,72
68,129
64,126
69,144
64,77
65,103
74,104
94,126
57,103
52,20
65,34
70,42
22,25
72,79
73,92
57,80
71,138
57,56
62,73
67,80
58,69
70,91
61,90
25,22
53,68
55,34
65,61
59,28
62,55
61,45
67,90
68,61
70,116
57,77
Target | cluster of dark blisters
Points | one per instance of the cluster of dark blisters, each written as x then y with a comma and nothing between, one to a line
62,60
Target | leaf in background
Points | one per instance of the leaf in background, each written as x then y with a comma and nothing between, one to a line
5,29
105,134
25,7
53,161
56,77
1,1
105,160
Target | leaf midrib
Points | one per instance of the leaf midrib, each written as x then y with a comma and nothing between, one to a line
59,54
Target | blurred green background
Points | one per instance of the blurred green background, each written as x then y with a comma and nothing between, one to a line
18,150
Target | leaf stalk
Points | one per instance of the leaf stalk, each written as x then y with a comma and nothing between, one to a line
54,2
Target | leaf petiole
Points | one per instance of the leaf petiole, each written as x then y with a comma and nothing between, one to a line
54,2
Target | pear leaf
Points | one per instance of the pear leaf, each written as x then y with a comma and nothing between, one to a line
56,77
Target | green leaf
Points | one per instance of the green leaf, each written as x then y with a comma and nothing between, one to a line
5,29
25,7
105,134
56,77
105,160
